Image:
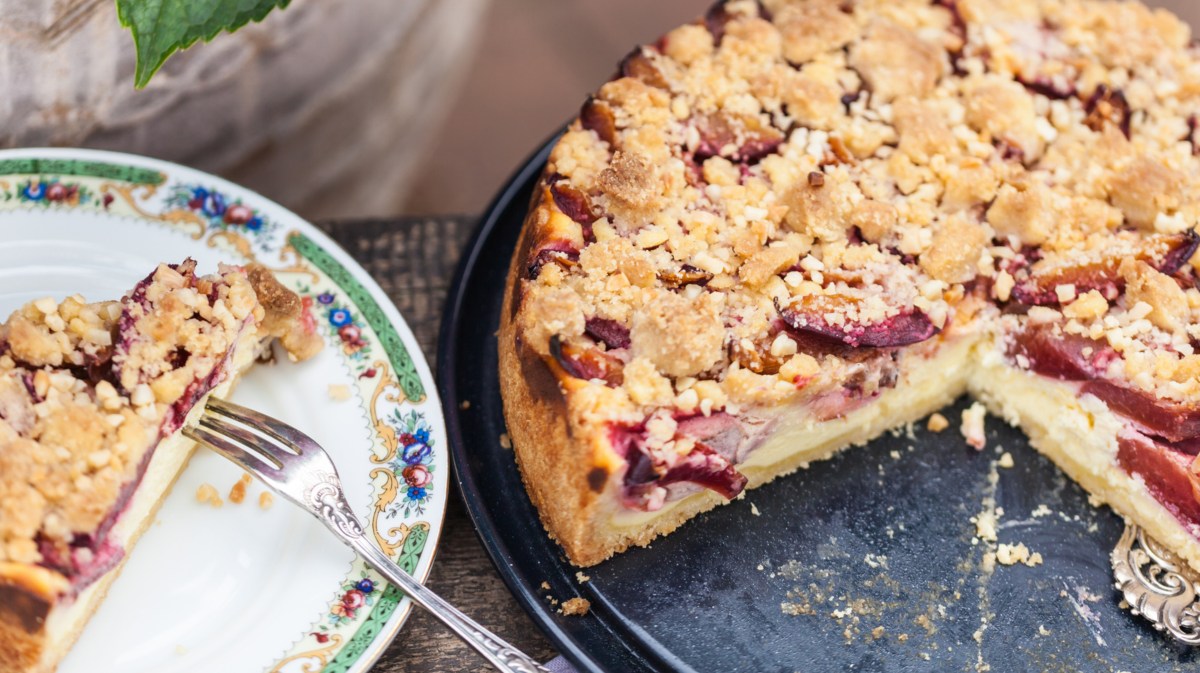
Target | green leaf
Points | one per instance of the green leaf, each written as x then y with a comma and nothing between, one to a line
161,27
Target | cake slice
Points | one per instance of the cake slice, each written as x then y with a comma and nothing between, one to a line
793,224
92,399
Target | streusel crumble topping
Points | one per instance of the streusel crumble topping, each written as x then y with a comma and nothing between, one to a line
768,204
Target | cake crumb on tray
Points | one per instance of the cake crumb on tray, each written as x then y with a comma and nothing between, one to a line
575,607
1010,554
972,425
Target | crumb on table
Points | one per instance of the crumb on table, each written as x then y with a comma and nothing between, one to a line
505,442
575,607
580,577
937,423
265,500
207,494
1006,460
545,585
464,405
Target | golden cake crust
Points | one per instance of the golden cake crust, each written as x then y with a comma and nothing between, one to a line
535,411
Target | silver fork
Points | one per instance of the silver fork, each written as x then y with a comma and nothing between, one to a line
296,467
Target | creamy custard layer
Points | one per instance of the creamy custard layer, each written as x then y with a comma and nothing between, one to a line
1078,433
797,438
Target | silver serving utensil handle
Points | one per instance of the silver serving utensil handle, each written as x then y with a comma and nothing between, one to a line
1156,586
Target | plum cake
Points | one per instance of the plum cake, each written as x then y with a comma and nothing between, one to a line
92,399
791,225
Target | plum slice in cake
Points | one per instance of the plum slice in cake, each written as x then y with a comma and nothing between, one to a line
92,398
793,224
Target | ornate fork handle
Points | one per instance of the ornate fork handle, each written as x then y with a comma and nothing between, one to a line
326,500
296,467
1156,587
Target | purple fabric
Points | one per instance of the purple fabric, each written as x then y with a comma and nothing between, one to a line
560,665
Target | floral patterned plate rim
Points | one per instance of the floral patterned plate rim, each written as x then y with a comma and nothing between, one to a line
243,587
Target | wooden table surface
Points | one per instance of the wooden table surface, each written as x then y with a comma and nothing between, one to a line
413,259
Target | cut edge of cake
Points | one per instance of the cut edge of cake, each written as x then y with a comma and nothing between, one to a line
42,613
1077,433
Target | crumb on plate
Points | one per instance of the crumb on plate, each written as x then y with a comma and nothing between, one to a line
339,392
265,500
237,494
207,494
1006,460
